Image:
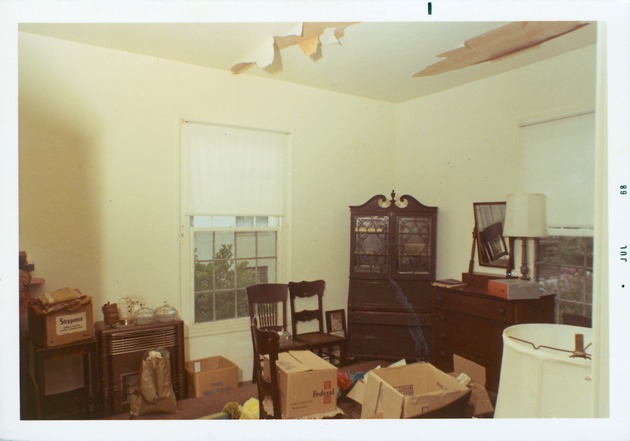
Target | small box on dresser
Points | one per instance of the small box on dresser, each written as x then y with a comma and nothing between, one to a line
467,321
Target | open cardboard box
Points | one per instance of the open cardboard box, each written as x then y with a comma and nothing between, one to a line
211,375
393,406
409,391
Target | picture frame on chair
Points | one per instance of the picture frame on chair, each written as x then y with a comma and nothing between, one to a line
336,322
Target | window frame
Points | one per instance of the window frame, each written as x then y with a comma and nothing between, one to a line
232,230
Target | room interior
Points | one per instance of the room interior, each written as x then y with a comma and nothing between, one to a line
99,155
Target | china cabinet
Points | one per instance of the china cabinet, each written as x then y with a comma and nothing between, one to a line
392,265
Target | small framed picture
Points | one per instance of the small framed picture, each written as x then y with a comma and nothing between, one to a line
336,322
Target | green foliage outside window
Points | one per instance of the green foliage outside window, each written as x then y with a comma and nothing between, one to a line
565,268
220,286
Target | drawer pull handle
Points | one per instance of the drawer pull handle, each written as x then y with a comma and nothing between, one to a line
501,311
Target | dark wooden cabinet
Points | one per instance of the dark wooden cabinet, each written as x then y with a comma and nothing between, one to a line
392,265
469,322
63,380
121,350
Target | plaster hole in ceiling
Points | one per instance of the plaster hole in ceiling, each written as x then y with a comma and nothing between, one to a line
499,43
309,36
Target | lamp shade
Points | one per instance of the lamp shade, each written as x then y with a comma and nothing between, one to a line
525,215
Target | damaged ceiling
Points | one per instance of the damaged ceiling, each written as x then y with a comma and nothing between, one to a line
392,62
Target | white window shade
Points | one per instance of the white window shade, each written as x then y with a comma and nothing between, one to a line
558,160
233,171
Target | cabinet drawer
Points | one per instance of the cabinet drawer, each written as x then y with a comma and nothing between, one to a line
390,294
465,339
389,318
369,340
480,306
487,329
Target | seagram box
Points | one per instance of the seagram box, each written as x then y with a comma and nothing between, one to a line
211,375
308,384
62,327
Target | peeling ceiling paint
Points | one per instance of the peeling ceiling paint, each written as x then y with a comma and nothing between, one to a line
308,36
498,43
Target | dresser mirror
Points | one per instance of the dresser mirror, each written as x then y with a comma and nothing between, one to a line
492,247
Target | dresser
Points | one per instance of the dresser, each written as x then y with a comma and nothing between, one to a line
392,265
469,322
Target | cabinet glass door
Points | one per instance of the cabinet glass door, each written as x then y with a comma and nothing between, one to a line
414,248
370,244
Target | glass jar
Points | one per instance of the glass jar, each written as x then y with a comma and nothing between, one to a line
144,316
165,313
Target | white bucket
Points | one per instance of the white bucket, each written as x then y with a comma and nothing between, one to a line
543,382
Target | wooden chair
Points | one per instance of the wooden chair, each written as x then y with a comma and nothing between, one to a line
266,343
317,341
268,306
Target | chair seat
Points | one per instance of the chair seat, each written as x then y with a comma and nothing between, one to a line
319,338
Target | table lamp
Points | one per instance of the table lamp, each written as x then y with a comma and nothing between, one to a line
525,218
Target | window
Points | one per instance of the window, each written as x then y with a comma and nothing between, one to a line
565,268
231,253
558,160
233,218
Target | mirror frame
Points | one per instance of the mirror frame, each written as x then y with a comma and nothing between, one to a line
500,244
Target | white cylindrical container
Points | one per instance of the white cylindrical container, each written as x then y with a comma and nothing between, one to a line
544,382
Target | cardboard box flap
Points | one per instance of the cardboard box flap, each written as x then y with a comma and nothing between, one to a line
302,361
476,372
479,398
382,400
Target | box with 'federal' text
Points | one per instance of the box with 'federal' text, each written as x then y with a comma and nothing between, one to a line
308,384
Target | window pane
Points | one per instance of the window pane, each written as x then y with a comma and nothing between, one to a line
266,271
224,245
202,221
203,245
245,245
226,305
245,273
223,221
266,243
244,221
224,276
204,308
262,221
204,276
242,306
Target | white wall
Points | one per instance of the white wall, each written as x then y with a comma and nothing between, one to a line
99,171
463,145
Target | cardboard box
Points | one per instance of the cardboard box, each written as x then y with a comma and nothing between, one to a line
210,375
308,384
61,327
479,398
513,289
408,391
